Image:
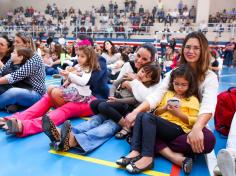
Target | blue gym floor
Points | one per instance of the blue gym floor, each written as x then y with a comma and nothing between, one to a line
32,155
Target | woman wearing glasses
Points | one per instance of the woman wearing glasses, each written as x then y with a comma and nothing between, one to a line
199,140
33,70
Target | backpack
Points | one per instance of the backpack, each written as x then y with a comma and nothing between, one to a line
225,109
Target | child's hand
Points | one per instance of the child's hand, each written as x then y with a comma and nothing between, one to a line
70,69
79,73
111,99
66,83
174,110
64,73
125,85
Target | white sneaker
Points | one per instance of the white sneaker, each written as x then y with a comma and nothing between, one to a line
226,162
217,171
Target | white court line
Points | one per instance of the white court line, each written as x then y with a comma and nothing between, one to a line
211,159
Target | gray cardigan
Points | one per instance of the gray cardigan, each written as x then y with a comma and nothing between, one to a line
125,95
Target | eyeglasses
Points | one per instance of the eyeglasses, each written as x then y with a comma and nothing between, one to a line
183,85
194,48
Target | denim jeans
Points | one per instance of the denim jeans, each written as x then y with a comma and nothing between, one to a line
93,133
51,70
19,96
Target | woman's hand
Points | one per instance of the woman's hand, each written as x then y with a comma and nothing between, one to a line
125,85
130,76
130,119
111,99
196,139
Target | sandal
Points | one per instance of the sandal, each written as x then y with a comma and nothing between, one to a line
13,126
122,134
187,165
64,145
50,129
124,161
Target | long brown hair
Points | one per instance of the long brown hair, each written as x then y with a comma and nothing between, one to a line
187,72
203,62
27,39
113,51
92,61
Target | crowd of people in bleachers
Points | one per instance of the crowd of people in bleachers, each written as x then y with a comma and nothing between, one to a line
111,20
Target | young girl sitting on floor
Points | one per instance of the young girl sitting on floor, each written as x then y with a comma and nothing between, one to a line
175,115
85,137
121,100
75,88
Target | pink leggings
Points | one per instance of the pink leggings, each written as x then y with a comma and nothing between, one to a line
32,117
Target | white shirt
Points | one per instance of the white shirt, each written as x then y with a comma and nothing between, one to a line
139,90
111,59
116,67
80,82
126,68
61,41
207,90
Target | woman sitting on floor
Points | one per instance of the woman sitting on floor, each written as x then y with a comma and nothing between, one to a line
199,140
33,70
175,116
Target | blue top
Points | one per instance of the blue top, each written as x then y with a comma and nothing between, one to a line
98,81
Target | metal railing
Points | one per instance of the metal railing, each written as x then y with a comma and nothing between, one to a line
55,30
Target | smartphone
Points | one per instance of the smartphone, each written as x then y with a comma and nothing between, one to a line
174,102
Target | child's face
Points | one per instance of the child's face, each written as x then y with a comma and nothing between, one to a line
180,85
46,55
142,76
15,58
82,58
54,56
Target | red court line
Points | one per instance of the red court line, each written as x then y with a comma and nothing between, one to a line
175,170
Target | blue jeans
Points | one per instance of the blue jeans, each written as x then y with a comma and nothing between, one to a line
51,70
19,96
93,133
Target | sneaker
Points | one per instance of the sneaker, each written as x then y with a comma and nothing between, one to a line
217,171
226,162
